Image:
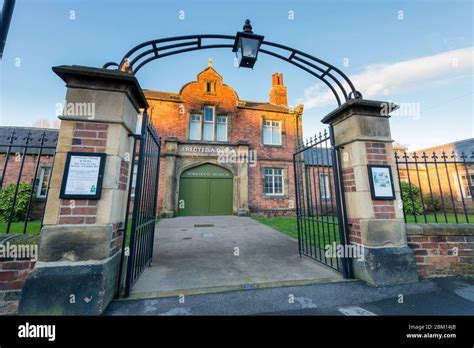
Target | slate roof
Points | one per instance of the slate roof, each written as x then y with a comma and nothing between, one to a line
262,106
317,156
152,94
36,134
466,146
460,146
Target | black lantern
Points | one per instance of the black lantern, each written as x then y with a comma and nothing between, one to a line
246,46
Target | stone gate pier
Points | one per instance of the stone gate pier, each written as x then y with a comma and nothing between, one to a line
80,243
362,130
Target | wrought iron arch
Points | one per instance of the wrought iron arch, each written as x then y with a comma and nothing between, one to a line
338,82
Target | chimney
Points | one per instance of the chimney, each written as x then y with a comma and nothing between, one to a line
278,91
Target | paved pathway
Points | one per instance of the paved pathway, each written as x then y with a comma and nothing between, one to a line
220,253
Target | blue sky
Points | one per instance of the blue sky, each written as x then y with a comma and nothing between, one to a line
421,57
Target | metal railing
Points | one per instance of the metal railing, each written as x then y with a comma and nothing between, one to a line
27,162
436,188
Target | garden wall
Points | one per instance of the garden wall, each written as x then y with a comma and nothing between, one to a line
12,278
442,249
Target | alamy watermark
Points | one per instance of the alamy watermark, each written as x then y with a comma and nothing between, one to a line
86,110
405,109
18,251
232,156
352,251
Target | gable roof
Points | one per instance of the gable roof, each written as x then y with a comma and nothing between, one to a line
212,69
245,104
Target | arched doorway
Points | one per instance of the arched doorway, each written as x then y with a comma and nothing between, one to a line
205,190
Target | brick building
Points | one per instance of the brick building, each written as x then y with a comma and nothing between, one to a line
224,155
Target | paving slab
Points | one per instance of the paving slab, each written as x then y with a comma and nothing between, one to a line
220,253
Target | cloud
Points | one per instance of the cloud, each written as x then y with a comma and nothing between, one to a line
386,79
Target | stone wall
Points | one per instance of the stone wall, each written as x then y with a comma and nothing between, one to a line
442,249
12,278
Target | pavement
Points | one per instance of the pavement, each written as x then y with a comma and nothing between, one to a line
437,296
208,254
229,265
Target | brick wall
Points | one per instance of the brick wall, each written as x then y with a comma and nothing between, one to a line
123,178
27,175
384,209
14,164
92,137
87,137
12,278
442,250
116,242
376,152
354,230
77,211
259,203
348,179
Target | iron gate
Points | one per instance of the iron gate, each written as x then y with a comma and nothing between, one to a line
320,208
142,201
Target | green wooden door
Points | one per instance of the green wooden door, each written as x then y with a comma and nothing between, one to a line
205,190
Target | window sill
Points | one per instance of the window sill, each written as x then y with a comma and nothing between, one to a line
270,145
267,196
209,142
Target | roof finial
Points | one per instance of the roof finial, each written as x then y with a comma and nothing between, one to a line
209,62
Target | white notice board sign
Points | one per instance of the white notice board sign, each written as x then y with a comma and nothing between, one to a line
381,182
83,175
